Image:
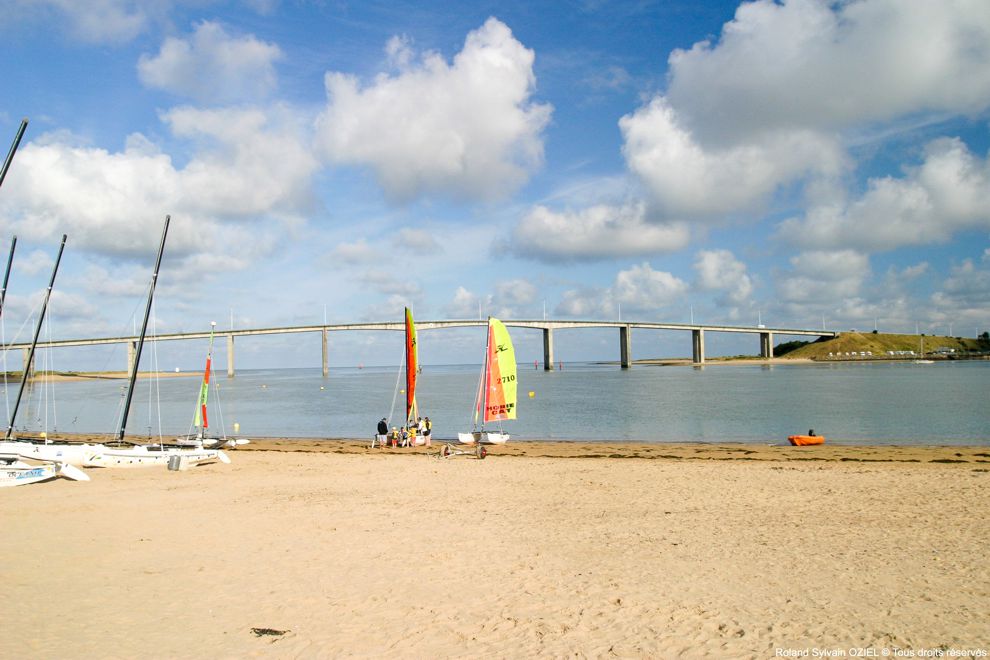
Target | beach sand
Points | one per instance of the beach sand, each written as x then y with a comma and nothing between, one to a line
542,549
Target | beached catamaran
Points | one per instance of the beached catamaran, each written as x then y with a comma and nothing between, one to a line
202,437
140,455
18,470
22,461
496,398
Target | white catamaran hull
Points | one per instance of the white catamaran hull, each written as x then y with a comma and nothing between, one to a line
483,437
144,456
16,470
78,455
208,442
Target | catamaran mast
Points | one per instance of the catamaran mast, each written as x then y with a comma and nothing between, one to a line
34,342
13,150
6,275
144,328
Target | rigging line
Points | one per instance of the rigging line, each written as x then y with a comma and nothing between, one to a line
216,395
6,384
50,358
477,398
395,392
154,386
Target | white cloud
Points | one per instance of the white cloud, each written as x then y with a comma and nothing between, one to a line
355,253
775,100
643,289
418,241
796,64
822,278
114,202
948,193
719,270
101,21
598,232
467,129
640,290
34,263
513,298
686,177
212,66
464,305
967,290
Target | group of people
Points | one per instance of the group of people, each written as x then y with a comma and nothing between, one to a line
417,432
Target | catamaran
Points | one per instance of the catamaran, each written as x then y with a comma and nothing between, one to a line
496,397
201,438
139,455
43,450
18,470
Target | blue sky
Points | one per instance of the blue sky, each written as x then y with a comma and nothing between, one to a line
796,162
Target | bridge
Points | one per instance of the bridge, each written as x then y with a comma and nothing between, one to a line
625,328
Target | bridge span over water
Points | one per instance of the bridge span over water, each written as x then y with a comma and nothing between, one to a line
547,327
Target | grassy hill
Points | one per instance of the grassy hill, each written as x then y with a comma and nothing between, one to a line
878,344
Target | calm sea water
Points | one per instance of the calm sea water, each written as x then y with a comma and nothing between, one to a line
903,403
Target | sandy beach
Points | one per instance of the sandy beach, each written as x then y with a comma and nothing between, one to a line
542,549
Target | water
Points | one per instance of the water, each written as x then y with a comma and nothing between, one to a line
880,403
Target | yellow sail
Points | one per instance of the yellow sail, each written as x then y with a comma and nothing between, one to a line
500,380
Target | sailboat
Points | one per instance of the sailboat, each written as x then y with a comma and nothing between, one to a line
17,470
496,398
922,359
138,455
201,420
25,448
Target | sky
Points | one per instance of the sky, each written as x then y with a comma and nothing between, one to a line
798,163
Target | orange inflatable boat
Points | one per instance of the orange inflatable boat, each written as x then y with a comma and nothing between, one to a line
806,440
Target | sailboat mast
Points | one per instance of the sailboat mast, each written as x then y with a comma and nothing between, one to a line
144,328
483,396
34,342
204,391
6,276
13,150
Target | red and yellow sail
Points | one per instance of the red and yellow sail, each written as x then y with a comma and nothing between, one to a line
204,390
500,374
412,365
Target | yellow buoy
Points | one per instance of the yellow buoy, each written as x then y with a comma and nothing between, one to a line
532,394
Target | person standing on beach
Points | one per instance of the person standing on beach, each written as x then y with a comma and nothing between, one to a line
382,433
427,431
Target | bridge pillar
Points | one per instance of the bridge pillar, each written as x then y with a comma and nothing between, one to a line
27,356
698,341
766,345
131,352
625,358
230,356
547,349
326,363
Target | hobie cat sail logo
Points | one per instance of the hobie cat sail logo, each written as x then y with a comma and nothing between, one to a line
500,409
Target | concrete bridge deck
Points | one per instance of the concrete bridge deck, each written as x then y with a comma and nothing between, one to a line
546,326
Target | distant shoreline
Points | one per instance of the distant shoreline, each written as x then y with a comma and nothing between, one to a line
100,375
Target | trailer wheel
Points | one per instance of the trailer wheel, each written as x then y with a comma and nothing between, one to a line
481,452
445,451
